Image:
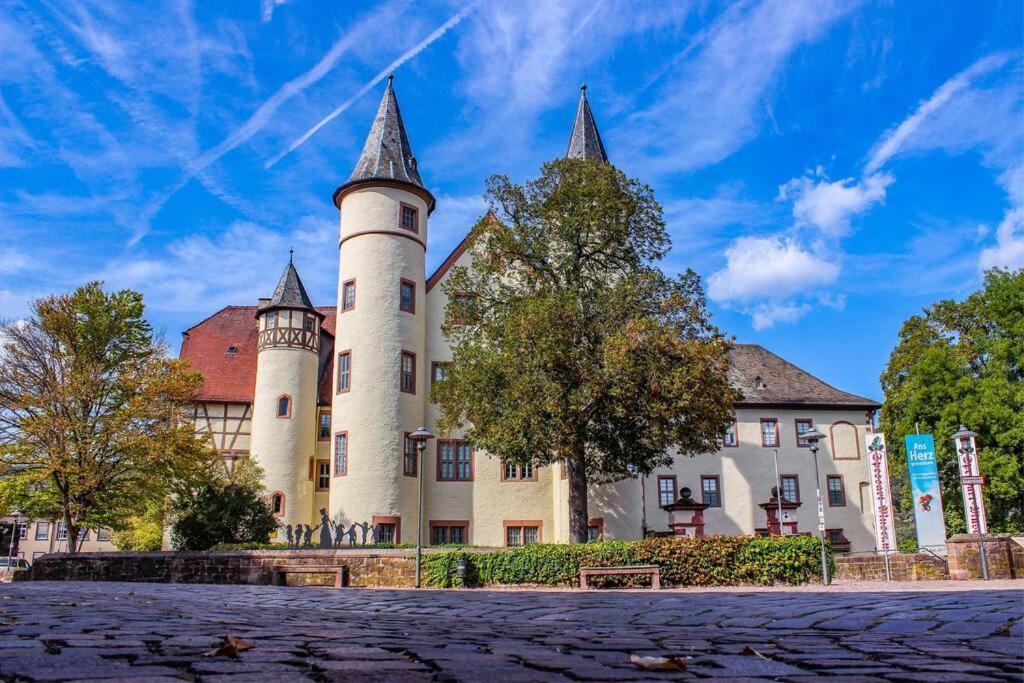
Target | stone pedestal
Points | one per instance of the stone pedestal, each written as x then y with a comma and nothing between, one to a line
776,526
1005,557
686,516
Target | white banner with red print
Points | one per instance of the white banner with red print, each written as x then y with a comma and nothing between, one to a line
881,493
971,482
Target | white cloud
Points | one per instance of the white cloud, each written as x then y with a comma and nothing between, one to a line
773,267
906,135
764,316
1008,251
267,8
201,273
829,206
710,105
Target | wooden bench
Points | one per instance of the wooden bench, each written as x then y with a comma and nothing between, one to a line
340,573
651,570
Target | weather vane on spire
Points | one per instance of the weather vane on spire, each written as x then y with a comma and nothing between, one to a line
291,254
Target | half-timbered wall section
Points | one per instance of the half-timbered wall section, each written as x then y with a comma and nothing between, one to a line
227,424
286,328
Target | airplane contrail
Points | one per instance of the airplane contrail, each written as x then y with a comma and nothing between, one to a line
406,56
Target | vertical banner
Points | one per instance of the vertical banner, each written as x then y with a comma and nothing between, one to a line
925,492
881,496
971,482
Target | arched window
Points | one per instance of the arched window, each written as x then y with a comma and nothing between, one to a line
277,503
284,406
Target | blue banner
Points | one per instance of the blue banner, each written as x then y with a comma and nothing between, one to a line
924,488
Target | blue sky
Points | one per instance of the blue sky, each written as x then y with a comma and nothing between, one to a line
829,168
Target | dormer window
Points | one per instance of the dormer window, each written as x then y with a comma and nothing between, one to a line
759,383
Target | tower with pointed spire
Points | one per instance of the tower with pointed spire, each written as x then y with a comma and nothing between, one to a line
380,362
284,418
585,141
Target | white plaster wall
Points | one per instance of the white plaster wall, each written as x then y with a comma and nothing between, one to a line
374,412
282,447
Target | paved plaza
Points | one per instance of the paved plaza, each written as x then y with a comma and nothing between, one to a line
922,632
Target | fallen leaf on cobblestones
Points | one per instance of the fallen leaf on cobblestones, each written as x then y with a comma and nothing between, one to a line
751,651
231,647
658,663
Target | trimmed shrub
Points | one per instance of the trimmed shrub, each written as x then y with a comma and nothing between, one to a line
706,561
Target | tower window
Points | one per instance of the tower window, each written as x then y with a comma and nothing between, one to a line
409,218
769,431
284,407
407,296
409,457
232,349
348,295
344,371
710,492
277,504
438,372
407,378
790,488
340,454
454,460
323,475
325,427
836,493
666,489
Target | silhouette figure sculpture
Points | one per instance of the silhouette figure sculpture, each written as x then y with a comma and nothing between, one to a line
339,535
307,536
288,535
298,536
365,528
325,530
352,536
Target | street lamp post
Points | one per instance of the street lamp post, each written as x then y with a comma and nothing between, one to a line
14,530
962,443
420,438
812,437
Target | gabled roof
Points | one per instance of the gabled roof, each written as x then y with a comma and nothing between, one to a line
764,378
387,155
585,141
768,380
290,292
223,349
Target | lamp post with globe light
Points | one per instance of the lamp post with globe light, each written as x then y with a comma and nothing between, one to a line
812,437
962,441
14,531
420,438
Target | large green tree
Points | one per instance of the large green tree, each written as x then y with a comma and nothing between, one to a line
91,413
569,345
962,362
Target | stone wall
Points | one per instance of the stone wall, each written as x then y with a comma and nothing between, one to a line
367,569
1004,555
902,567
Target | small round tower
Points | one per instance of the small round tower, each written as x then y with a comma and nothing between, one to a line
284,420
380,372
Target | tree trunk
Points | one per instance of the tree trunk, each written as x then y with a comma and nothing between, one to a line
576,473
71,529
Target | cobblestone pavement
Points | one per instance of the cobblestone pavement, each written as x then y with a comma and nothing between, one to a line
156,632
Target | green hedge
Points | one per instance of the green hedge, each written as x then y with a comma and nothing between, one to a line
706,561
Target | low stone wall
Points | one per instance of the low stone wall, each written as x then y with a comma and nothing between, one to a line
1005,557
366,568
902,567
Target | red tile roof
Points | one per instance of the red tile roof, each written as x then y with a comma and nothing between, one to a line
231,377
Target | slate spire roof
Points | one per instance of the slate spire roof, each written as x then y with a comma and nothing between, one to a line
585,141
387,153
290,292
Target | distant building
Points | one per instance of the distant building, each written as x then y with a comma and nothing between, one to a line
324,397
40,536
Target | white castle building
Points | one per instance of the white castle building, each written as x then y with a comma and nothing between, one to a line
324,397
